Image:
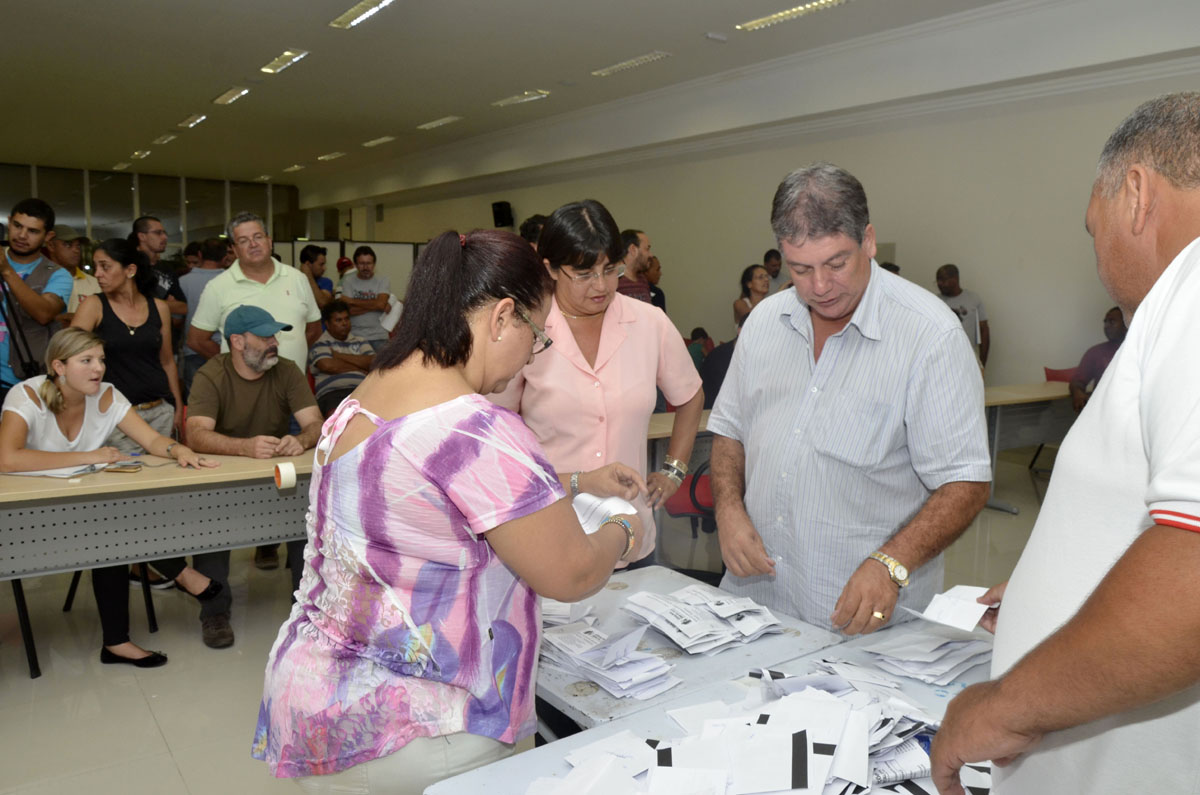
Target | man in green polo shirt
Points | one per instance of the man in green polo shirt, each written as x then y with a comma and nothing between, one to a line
241,403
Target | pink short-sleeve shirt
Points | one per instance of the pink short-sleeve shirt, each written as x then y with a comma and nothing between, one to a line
587,416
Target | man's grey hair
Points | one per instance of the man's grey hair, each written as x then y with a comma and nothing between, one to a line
817,201
243,217
1162,134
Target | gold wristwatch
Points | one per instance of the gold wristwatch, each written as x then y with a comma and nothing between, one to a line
896,570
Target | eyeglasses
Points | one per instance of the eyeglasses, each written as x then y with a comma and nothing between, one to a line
543,342
587,277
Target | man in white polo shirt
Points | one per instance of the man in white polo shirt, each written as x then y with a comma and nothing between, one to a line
257,279
1096,640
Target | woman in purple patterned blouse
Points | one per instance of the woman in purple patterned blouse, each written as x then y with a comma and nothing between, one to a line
435,522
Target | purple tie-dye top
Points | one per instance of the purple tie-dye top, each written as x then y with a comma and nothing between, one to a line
406,623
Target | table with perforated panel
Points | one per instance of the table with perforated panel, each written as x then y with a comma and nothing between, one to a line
50,525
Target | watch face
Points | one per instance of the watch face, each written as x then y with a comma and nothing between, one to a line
901,571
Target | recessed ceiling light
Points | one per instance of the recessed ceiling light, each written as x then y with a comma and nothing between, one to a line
231,96
789,14
140,154
288,58
429,125
517,99
290,169
359,12
632,63
377,141
164,139
331,156
120,167
263,178
191,121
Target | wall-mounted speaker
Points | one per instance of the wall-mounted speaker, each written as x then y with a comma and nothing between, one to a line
502,214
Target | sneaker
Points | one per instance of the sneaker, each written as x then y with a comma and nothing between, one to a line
216,631
266,557
156,582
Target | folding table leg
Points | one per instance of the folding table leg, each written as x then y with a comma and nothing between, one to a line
26,630
71,591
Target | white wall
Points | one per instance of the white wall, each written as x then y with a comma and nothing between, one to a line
1000,191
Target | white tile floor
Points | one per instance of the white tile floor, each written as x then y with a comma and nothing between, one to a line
186,727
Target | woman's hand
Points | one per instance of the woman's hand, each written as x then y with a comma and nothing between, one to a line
613,480
661,488
106,455
188,458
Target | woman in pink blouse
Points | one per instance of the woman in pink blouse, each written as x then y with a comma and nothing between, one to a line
435,521
589,399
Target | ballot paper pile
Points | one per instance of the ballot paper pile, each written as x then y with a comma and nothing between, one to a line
819,733
613,663
703,620
557,614
932,655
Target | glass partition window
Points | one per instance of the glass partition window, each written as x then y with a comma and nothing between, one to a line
14,186
112,203
159,196
62,189
205,209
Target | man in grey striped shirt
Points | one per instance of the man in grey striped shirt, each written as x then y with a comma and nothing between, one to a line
851,445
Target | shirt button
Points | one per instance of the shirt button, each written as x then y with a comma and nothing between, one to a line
814,390
797,430
597,454
783,475
779,518
596,384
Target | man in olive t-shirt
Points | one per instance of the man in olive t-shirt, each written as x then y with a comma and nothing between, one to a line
240,404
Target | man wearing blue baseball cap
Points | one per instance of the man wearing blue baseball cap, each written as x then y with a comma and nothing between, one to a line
241,404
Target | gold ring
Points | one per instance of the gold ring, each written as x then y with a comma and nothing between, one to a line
879,615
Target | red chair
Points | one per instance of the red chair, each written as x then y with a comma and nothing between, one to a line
1064,376
694,500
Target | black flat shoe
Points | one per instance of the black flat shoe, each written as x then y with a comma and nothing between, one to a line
208,593
155,659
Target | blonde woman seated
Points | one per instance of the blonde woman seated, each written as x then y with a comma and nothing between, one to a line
61,420
435,522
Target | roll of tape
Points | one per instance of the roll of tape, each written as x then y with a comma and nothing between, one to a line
285,476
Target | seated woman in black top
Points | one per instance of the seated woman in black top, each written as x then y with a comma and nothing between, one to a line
140,362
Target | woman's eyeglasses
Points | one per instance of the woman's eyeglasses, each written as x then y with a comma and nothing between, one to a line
609,272
539,334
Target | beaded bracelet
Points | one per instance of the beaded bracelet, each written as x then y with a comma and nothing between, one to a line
629,536
574,484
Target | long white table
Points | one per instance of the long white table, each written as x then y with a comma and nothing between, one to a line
589,705
50,525
513,776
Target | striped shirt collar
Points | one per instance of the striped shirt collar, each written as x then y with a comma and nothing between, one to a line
866,317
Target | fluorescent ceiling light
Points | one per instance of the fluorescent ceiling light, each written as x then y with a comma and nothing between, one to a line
288,58
429,125
377,141
164,139
331,156
120,167
789,14
231,96
359,12
290,169
632,63
140,154
517,99
191,121
263,178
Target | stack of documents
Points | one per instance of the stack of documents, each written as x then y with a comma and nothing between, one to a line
613,663
556,613
934,655
703,620
816,734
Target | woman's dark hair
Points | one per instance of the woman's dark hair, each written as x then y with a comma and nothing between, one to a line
747,276
577,234
126,253
698,333
453,277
